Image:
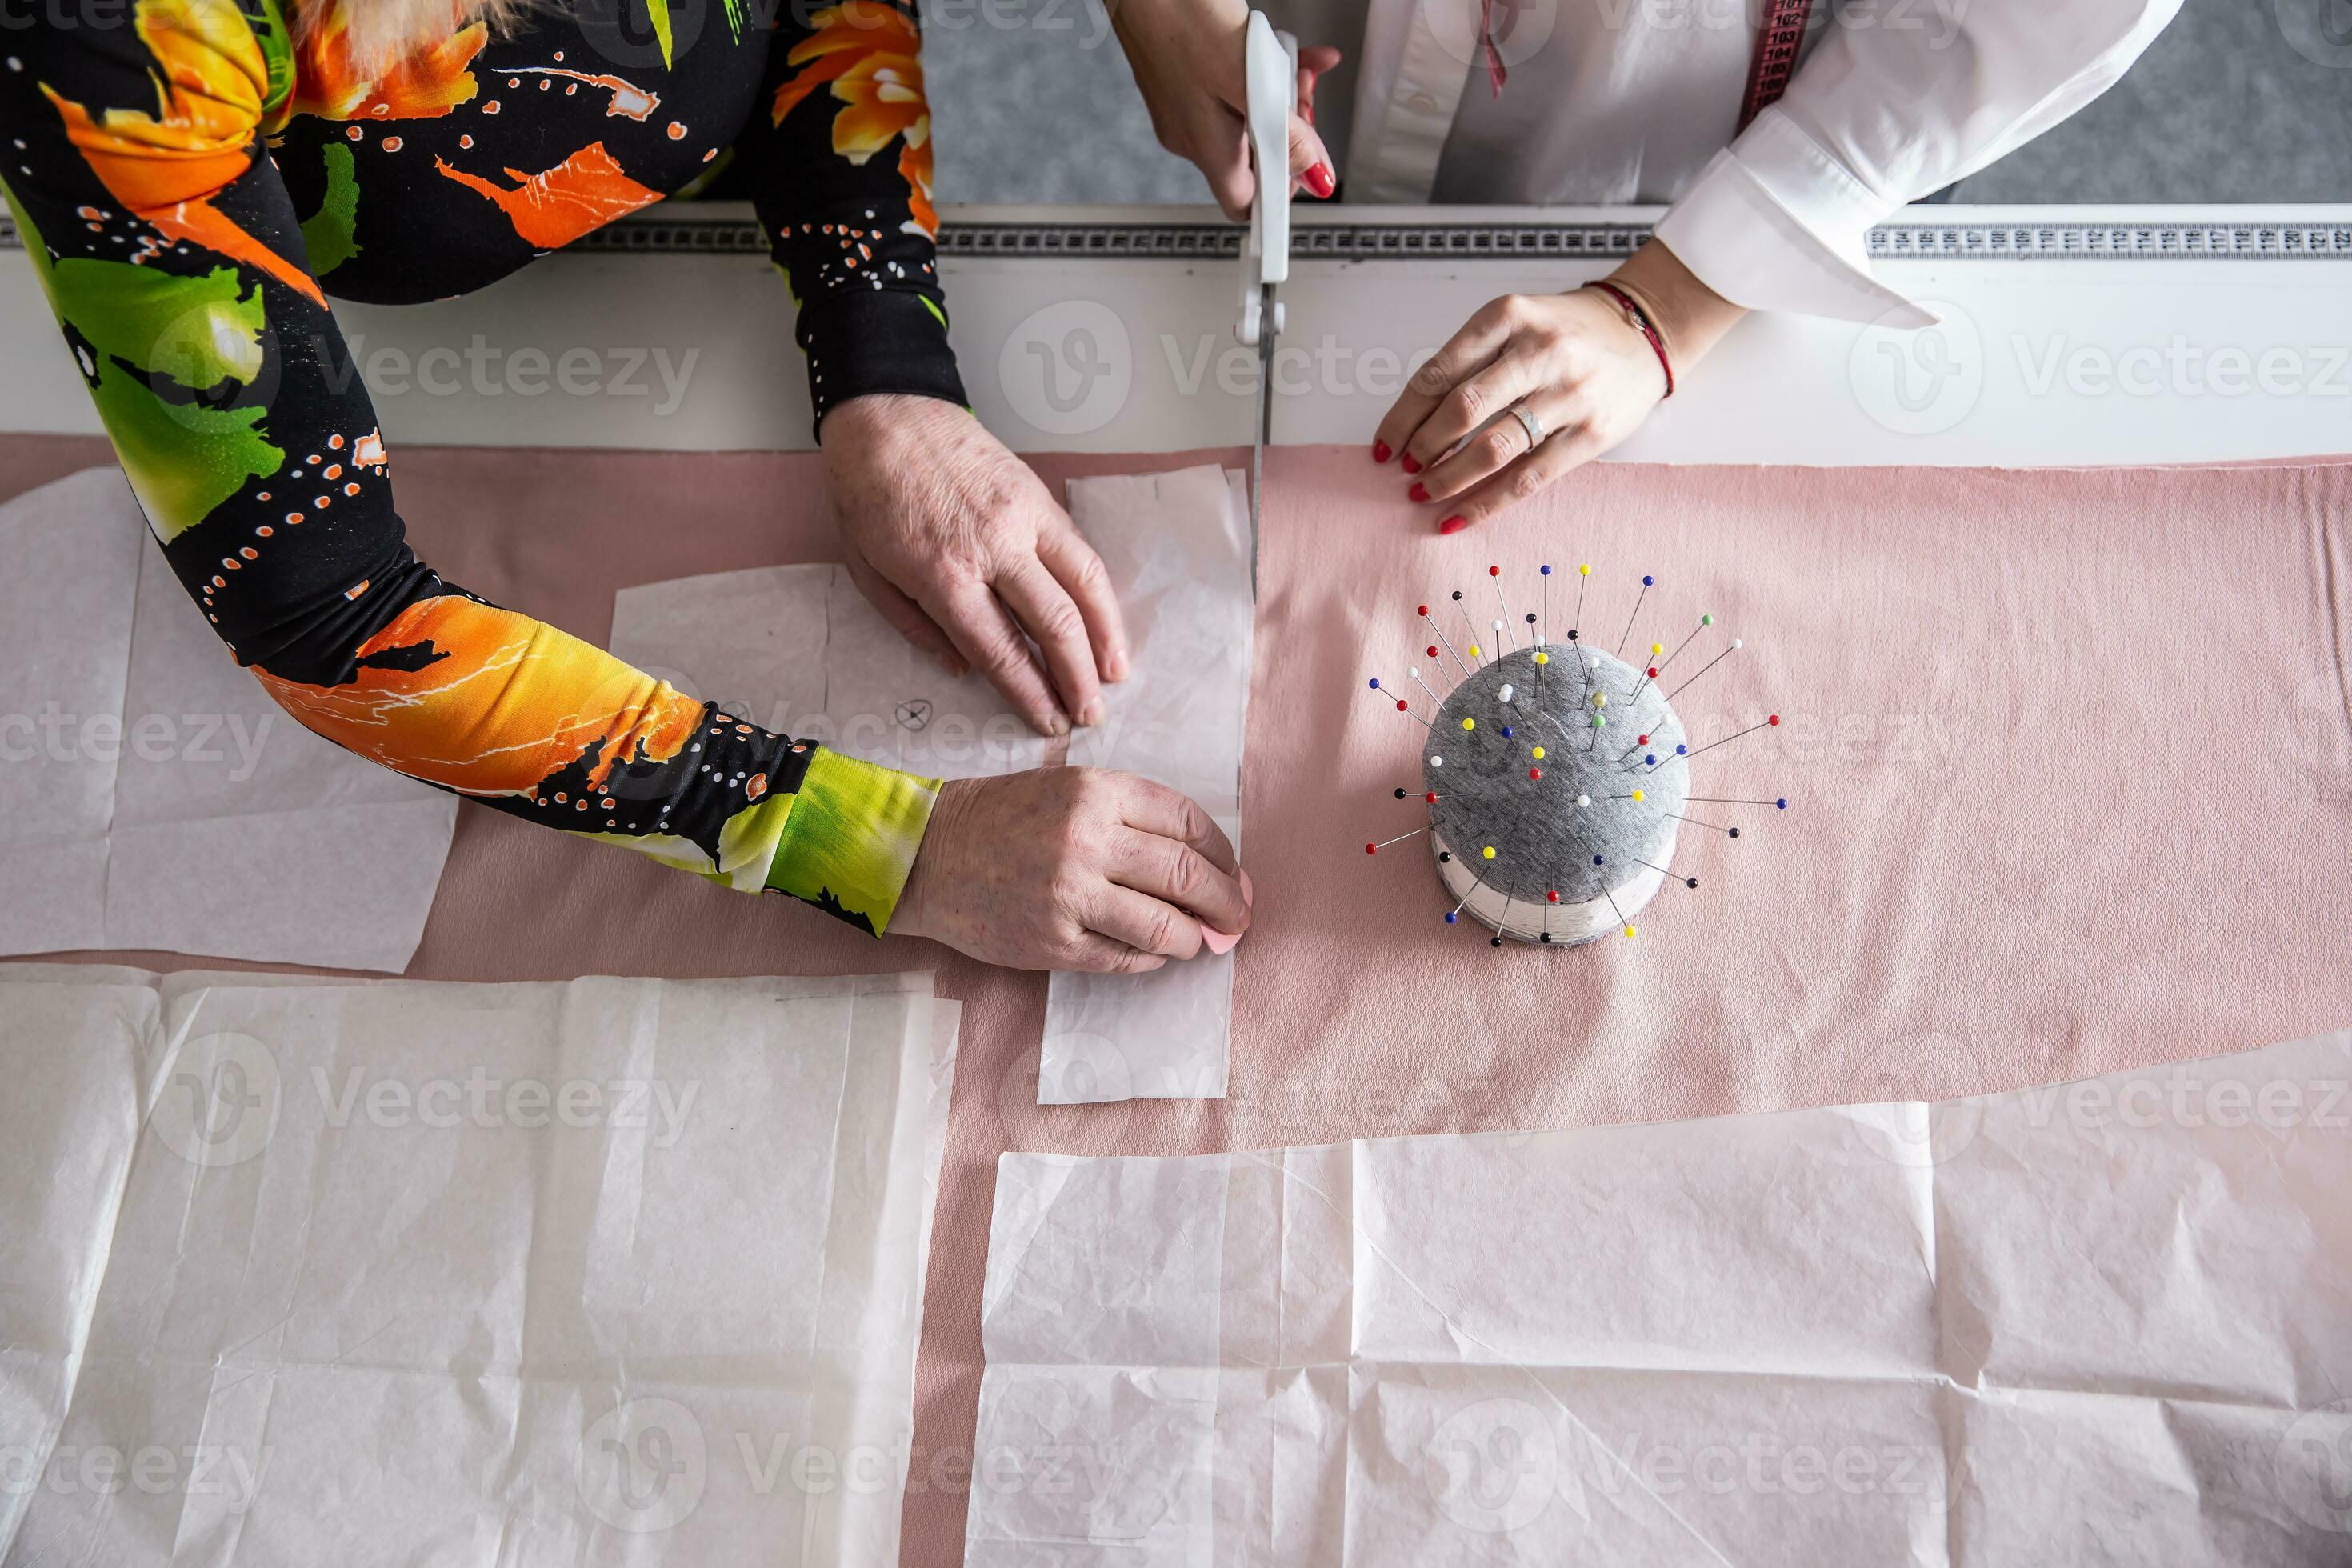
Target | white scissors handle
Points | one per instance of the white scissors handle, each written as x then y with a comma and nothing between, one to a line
1270,78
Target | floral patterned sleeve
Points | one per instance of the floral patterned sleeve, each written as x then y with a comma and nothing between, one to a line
185,279
840,165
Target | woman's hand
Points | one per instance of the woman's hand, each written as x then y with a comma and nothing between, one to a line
1187,55
1071,868
1577,362
960,546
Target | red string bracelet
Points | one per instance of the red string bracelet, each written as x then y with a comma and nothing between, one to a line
1641,320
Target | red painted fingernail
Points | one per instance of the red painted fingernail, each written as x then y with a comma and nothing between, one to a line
1319,181
1411,465
1419,492
1454,525
1381,453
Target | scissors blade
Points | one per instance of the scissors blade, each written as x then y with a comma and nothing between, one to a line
1265,336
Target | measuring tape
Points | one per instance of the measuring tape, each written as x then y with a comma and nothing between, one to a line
1778,39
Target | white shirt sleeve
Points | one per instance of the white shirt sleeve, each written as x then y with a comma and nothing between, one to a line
1879,115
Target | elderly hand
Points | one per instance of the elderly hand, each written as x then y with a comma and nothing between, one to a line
1187,57
960,546
1576,362
1071,868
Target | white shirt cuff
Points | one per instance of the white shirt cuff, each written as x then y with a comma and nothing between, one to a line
1774,223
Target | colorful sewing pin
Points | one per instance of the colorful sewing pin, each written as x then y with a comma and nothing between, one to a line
1468,625
1751,729
1647,675
1646,581
1400,704
1496,574
1442,637
1704,622
1710,663
1687,882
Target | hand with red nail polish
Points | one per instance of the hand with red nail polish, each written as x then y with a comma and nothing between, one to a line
1381,453
1187,57
1584,371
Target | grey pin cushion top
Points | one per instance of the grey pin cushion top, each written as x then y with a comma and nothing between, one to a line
1544,840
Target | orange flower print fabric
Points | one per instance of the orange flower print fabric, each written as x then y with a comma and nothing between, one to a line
189,273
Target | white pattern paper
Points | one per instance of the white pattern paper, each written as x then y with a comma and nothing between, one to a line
797,650
2107,1321
611,1271
1177,548
153,796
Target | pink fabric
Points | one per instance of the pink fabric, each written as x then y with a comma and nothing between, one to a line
2067,753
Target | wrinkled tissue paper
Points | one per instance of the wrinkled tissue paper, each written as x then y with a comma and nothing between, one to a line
152,796
1177,548
798,650
612,1271
2103,1321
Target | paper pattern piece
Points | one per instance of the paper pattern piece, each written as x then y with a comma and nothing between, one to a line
2103,1321
152,796
1177,548
613,1271
798,649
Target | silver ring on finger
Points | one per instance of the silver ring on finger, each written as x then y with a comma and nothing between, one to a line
1530,421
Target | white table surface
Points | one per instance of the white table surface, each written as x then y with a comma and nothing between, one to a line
2041,360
